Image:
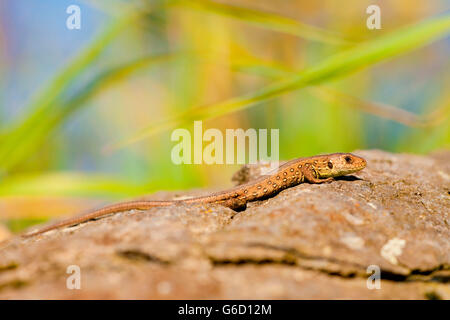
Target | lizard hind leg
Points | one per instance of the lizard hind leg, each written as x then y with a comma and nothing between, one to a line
235,204
310,176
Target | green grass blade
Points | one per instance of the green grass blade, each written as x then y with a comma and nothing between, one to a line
44,104
48,121
253,65
77,66
338,65
382,110
266,20
69,184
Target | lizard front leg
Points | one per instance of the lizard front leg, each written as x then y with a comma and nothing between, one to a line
312,176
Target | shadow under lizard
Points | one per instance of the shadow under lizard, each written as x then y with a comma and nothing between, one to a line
316,169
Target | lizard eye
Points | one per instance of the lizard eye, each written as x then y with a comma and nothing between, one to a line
330,165
348,159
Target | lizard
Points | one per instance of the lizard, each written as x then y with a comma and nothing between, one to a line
315,169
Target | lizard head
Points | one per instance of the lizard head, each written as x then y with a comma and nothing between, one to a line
339,164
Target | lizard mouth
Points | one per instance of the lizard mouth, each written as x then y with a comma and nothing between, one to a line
358,168
359,164
363,164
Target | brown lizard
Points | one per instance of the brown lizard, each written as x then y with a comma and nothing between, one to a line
317,169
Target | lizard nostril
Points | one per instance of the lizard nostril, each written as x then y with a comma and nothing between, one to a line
348,159
330,165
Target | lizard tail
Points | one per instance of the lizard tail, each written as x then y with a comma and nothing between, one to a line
124,206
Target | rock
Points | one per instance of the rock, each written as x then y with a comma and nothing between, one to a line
4,233
308,242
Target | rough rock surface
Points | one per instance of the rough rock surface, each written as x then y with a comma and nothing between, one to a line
308,242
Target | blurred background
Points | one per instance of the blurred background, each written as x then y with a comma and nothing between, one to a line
86,114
